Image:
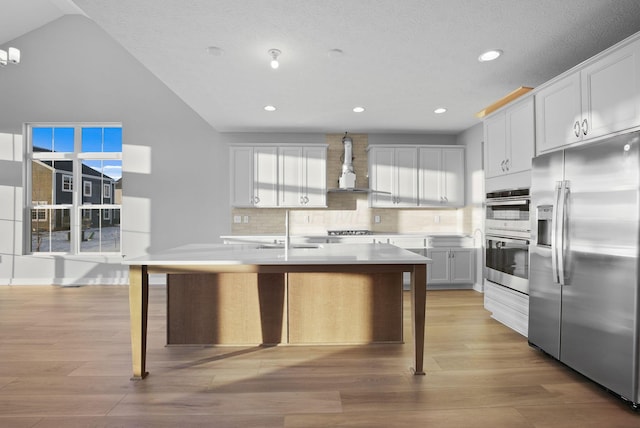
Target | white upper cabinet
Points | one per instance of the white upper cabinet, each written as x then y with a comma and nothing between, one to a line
302,176
254,176
416,176
600,98
509,137
441,176
393,176
285,176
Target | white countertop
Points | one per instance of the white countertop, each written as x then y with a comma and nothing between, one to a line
252,254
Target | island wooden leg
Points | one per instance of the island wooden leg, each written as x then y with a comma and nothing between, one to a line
418,308
138,310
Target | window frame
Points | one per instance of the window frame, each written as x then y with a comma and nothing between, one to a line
106,188
37,206
67,182
75,208
86,184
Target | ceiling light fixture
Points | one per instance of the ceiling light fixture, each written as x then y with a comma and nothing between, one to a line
335,53
12,55
270,108
490,55
274,53
358,109
215,51
440,110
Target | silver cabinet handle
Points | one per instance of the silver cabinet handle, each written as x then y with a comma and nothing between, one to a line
256,200
506,164
576,128
306,200
585,127
502,165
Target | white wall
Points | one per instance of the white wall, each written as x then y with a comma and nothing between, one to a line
472,138
175,165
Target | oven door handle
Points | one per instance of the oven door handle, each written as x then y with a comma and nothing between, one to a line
503,239
494,202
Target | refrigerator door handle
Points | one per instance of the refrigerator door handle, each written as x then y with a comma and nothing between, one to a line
562,217
554,233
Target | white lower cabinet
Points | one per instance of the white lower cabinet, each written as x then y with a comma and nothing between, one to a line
451,266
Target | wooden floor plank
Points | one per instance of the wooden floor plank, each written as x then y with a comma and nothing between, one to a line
65,361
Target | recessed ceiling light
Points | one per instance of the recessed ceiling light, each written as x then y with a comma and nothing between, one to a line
270,108
490,55
215,51
358,109
335,53
440,110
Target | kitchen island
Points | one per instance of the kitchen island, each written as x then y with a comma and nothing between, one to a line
300,265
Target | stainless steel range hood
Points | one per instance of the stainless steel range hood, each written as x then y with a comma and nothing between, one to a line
347,180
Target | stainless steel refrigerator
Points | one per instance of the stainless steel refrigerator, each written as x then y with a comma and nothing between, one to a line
583,279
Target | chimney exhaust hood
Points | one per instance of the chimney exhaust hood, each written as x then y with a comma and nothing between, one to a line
347,180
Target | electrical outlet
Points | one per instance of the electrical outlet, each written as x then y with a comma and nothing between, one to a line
376,219
245,219
237,219
436,219
306,219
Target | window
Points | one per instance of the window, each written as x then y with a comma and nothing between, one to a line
86,188
107,191
39,214
64,219
67,183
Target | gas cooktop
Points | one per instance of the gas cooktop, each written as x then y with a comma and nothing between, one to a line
349,232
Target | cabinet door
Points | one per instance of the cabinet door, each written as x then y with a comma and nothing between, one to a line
406,177
290,177
314,170
520,136
452,174
558,114
265,176
611,93
429,184
495,141
241,163
382,176
438,270
462,265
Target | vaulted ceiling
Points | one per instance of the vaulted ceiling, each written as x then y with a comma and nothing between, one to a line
398,59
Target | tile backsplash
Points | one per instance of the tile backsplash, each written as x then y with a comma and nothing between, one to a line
351,210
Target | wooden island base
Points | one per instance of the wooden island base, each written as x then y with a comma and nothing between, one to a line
284,308
335,293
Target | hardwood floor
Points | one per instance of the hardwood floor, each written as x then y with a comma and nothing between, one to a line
65,362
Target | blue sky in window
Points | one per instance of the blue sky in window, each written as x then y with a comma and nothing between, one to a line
53,139
110,168
94,140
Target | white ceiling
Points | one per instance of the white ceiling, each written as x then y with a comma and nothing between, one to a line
402,58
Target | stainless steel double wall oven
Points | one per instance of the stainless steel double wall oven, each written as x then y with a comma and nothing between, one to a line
508,231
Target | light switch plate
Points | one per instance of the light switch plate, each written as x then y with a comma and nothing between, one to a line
237,219
245,219
376,219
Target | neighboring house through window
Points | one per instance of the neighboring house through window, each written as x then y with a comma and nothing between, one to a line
66,218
